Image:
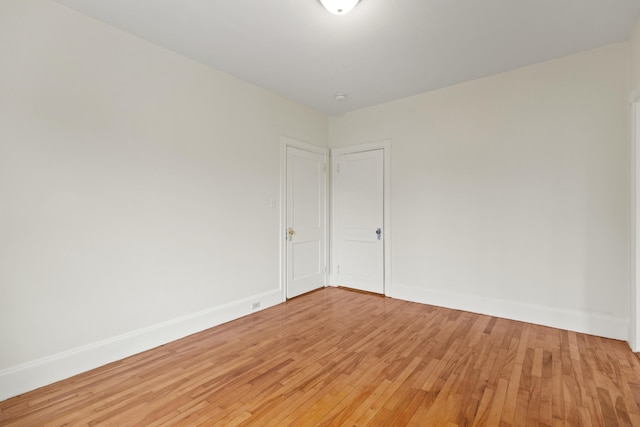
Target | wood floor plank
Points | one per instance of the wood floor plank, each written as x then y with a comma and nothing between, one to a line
337,357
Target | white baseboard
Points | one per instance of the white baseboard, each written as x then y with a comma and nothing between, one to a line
38,373
577,321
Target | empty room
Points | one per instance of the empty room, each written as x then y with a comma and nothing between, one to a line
319,212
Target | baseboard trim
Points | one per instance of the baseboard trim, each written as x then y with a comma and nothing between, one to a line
587,323
48,370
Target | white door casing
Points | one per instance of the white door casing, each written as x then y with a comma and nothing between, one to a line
360,220
305,225
634,323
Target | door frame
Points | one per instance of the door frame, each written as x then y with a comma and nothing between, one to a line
286,142
385,146
634,291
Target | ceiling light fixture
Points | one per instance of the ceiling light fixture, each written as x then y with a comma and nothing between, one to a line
339,7
341,97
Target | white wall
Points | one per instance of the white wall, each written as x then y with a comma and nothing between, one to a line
135,189
634,53
510,194
634,99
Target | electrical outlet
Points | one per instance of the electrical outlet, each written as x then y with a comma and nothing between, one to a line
255,305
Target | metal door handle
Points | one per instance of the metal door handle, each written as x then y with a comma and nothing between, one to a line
379,233
291,233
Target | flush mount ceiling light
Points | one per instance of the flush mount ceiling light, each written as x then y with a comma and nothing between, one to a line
339,7
341,97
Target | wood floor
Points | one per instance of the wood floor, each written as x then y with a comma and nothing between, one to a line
336,357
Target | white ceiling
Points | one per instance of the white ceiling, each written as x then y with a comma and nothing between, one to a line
382,50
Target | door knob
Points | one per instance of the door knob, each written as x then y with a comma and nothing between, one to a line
379,233
291,233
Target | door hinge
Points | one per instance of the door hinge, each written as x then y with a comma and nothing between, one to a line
338,269
338,167
324,167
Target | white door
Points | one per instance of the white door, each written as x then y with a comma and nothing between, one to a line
359,220
305,221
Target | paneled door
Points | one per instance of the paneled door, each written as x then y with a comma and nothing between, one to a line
305,221
359,220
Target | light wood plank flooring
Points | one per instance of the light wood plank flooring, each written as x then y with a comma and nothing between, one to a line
336,357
